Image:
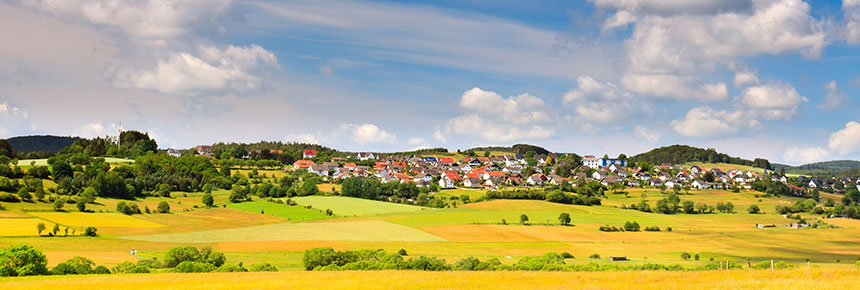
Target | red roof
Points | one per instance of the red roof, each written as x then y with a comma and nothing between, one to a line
310,152
446,159
273,151
401,164
303,163
794,187
453,176
350,164
380,164
495,173
473,175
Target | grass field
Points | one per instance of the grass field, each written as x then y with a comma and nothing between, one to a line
348,206
370,230
290,213
76,219
737,279
44,161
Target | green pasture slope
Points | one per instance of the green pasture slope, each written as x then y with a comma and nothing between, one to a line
291,213
348,206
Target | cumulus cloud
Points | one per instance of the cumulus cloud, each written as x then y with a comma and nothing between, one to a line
439,136
304,138
674,86
705,122
669,7
226,70
415,141
834,97
491,117
743,78
774,101
597,103
805,155
7,110
847,140
368,133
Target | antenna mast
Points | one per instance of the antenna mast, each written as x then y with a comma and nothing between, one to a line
118,136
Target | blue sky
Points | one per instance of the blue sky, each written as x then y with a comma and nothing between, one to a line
767,78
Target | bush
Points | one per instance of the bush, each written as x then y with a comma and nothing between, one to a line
208,200
127,208
8,197
231,268
194,267
402,252
685,256
74,266
566,255
753,209
652,229
607,228
564,218
631,226
91,232
82,206
594,256
263,267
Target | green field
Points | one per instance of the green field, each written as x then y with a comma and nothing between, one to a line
324,231
348,206
291,213
44,162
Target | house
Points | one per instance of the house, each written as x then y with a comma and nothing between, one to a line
336,159
642,175
424,177
489,174
696,170
671,183
403,177
303,163
318,170
363,156
349,165
516,168
699,184
446,161
536,179
590,161
633,183
614,259
174,152
447,182
431,160
472,182
494,182
330,165
309,153
656,182
597,175
610,180
204,150
815,183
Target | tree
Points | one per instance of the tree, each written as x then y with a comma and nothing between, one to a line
164,190
55,229
524,219
24,194
730,208
564,218
58,204
688,207
41,228
82,206
631,226
91,232
89,195
22,260
685,256
208,200
163,207
753,209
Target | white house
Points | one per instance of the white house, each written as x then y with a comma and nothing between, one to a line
363,156
318,170
698,184
471,182
591,161
446,182
174,153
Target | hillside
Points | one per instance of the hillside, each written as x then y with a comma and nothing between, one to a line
42,143
679,154
819,168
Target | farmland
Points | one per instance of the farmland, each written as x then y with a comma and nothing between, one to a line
290,213
347,206
738,279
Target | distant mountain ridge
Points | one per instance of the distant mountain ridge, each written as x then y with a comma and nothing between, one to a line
41,143
825,167
679,154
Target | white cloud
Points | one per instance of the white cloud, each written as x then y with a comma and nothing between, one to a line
851,12
227,70
93,130
304,138
647,134
620,19
7,110
150,19
847,140
491,117
674,6
673,86
595,103
834,97
476,126
774,101
368,133
745,77
326,70
805,155
704,122
439,136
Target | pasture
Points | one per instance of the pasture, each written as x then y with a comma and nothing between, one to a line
736,279
19,227
371,230
348,206
290,213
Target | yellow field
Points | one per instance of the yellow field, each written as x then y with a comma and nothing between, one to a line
17,227
737,279
94,219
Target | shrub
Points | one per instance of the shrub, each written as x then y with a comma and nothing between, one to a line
163,207
402,252
8,197
82,206
230,268
566,255
74,266
753,209
685,256
208,200
594,256
631,226
90,232
564,218
652,229
194,267
607,228
263,267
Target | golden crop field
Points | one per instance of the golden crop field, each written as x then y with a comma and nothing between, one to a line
17,227
811,279
75,219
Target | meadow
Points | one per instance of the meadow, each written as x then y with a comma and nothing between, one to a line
348,206
736,279
290,213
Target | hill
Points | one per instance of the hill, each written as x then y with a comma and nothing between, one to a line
42,143
820,168
679,154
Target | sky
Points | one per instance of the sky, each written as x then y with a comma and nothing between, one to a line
776,79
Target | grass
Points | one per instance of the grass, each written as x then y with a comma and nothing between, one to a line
44,161
291,213
737,279
370,230
348,206
98,220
